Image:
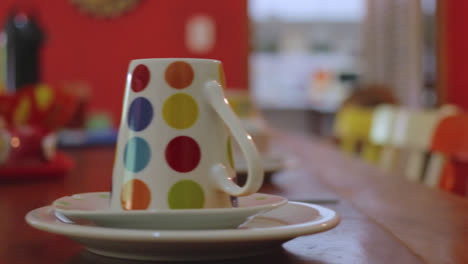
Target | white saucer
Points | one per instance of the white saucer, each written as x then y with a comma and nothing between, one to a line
95,207
261,234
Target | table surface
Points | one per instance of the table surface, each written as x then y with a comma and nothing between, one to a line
384,218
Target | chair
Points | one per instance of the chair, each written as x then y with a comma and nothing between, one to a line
448,168
414,132
352,127
406,137
383,122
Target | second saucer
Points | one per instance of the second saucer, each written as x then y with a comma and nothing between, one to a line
95,207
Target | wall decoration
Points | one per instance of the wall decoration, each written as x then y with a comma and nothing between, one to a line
105,8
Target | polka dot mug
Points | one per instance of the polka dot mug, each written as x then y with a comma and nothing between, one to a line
174,145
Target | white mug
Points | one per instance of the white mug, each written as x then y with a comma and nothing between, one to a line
173,149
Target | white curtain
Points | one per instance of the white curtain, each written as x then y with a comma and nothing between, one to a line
392,39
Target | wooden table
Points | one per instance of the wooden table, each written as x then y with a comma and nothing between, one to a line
384,218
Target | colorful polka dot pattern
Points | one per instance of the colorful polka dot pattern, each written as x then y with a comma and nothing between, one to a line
135,195
140,78
179,75
137,154
140,114
186,194
180,111
182,154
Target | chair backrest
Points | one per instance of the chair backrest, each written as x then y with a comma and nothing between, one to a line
352,127
383,124
450,144
420,129
409,131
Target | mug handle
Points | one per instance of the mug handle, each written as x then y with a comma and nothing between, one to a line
222,176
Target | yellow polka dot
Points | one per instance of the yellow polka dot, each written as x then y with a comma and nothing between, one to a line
22,112
44,96
180,111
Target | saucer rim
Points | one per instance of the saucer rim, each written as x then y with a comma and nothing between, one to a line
326,220
204,211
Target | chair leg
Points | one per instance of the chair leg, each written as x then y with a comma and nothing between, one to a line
414,166
371,153
434,170
387,158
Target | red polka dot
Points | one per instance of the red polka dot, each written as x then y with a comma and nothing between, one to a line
140,78
183,154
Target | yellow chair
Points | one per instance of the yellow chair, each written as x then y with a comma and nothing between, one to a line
352,127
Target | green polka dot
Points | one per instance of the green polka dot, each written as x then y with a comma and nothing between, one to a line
229,152
64,203
180,111
260,198
186,194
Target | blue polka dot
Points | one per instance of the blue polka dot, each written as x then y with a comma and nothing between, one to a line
137,154
140,114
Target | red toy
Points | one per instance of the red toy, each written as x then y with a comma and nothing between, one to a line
39,105
27,140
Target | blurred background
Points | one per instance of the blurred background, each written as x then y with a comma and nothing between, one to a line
291,65
298,59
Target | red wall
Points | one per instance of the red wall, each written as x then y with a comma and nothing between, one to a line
81,47
453,40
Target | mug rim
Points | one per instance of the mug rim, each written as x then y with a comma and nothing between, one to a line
175,59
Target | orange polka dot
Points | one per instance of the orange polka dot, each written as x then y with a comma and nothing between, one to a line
135,195
222,78
179,74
